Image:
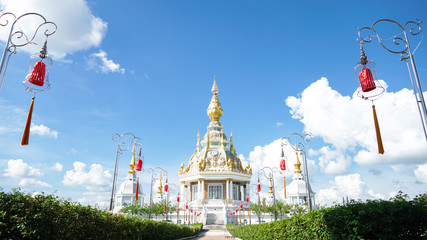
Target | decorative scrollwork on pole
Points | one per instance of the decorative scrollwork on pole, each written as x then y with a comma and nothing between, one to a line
124,142
18,38
410,28
298,145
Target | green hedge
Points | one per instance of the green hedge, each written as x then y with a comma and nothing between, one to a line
377,219
23,216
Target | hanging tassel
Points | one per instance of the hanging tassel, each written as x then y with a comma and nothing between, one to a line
164,208
136,193
284,185
26,135
259,203
377,130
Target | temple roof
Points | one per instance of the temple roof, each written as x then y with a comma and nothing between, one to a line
215,152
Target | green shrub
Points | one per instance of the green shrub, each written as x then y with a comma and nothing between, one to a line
377,219
23,216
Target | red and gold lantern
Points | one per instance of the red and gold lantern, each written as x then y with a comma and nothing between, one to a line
370,89
36,81
247,199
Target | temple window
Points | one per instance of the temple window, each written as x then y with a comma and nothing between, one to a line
215,191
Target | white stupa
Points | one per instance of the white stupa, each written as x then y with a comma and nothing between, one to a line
126,195
296,191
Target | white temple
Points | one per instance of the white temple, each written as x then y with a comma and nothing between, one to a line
126,195
214,182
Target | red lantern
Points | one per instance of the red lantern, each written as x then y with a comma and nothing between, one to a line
166,188
237,210
258,187
36,81
186,206
191,210
366,71
247,199
38,74
241,206
138,166
40,64
177,199
366,80
282,164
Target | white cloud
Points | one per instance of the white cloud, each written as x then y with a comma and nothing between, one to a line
100,61
349,185
57,167
375,195
33,182
346,123
42,130
332,162
96,179
18,169
78,29
279,124
421,173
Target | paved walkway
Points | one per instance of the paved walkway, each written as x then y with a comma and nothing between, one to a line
214,232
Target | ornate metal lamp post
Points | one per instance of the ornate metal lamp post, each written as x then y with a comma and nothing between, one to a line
122,146
299,143
18,38
270,176
410,28
154,176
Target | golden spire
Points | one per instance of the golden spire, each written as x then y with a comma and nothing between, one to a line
132,161
231,142
270,187
198,142
298,164
214,109
160,185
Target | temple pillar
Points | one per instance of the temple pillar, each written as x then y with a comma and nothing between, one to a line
227,188
198,189
203,189
185,194
231,188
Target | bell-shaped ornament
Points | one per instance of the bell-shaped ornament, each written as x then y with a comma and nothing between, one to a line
37,78
366,71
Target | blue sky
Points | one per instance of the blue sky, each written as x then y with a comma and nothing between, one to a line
147,67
